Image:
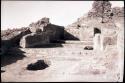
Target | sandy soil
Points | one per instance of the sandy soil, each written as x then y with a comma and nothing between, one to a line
70,62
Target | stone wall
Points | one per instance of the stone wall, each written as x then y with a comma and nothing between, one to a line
11,38
110,40
79,32
43,33
43,25
38,26
83,28
55,32
34,39
86,33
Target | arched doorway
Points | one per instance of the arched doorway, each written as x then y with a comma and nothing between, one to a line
96,30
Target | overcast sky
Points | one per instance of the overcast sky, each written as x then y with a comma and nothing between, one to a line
16,14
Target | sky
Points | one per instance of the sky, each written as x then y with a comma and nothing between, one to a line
17,14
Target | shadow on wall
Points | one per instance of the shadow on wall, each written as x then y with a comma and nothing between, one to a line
59,33
55,32
51,45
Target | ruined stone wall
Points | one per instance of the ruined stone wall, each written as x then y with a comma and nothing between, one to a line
110,40
38,33
55,32
82,29
43,33
33,39
10,38
83,33
43,25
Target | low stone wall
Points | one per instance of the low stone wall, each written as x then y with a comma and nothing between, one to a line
111,40
33,39
101,41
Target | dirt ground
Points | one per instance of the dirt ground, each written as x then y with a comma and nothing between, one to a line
68,62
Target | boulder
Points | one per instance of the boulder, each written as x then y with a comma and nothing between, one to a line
88,48
39,65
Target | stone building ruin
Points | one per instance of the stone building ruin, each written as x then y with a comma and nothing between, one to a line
92,48
43,32
86,28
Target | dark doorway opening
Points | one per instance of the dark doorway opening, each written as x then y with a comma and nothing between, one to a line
96,30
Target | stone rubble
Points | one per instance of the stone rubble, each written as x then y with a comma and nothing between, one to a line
39,25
